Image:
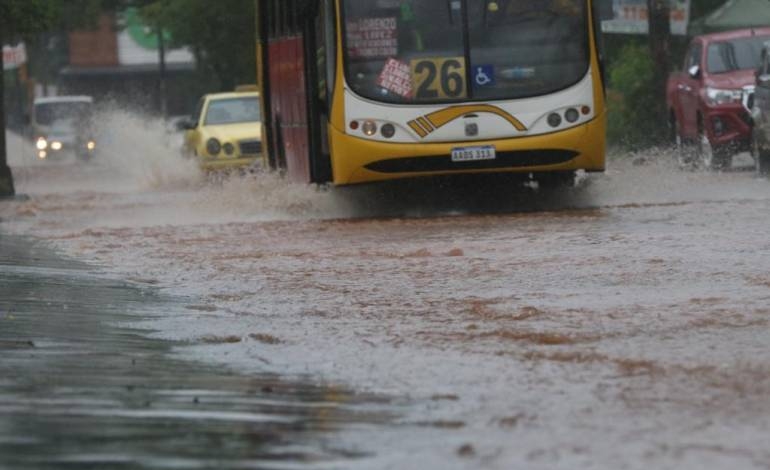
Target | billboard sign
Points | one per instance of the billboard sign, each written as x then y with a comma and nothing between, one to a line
630,17
14,56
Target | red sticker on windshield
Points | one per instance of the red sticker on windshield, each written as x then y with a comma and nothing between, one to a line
396,77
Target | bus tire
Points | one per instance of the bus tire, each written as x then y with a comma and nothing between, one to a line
555,180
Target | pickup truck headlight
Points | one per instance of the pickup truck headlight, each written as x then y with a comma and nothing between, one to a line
716,96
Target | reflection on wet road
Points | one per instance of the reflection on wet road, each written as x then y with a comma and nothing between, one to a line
79,390
619,324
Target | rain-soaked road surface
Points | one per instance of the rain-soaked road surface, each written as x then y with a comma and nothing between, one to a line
622,324
80,391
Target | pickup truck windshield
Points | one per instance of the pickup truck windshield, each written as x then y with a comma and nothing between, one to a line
736,54
422,51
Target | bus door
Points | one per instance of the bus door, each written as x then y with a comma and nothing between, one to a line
321,42
287,88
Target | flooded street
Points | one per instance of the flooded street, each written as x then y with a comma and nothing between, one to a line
621,324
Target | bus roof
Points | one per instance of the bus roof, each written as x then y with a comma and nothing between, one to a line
64,99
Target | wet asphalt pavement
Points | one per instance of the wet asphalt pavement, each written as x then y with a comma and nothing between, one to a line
79,391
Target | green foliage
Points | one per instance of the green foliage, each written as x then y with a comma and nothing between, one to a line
634,119
20,18
222,35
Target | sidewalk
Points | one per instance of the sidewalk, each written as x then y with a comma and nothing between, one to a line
79,391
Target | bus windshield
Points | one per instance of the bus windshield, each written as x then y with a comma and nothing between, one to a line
418,51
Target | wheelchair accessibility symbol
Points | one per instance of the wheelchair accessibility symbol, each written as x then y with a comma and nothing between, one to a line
484,75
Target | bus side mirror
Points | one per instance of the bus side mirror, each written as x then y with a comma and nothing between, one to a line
694,72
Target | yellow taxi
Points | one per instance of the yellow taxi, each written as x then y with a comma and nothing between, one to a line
226,131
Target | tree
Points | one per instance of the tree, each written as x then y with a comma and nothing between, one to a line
23,18
221,34
659,14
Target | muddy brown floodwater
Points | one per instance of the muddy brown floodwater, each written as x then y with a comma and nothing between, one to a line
622,324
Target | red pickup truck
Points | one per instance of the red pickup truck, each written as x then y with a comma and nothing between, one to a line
706,116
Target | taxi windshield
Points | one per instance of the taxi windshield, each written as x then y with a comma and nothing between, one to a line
410,51
232,111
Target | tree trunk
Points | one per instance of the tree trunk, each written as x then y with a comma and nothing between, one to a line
6,178
659,42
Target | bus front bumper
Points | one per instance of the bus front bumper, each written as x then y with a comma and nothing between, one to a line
357,160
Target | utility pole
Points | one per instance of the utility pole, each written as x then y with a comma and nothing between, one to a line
6,177
659,17
162,73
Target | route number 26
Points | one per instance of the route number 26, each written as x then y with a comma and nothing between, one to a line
439,77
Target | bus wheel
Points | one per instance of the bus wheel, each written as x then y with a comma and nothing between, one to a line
555,180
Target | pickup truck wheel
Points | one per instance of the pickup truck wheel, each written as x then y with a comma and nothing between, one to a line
761,157
685,154
710,157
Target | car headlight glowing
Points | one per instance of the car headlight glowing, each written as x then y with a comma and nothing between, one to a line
213,147
41,143
91,145
716,96
56,145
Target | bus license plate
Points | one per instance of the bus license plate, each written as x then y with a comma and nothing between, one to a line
472,154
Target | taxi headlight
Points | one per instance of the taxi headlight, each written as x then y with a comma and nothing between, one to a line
213,147
56,145
41,143
229,148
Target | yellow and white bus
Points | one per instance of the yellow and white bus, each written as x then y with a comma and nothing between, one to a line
357,91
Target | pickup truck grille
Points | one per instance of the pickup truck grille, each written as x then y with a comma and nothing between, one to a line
250,147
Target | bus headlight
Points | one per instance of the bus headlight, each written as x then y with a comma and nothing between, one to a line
213,147
554,120
388,130
56,145
41,143
572,115
369,128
